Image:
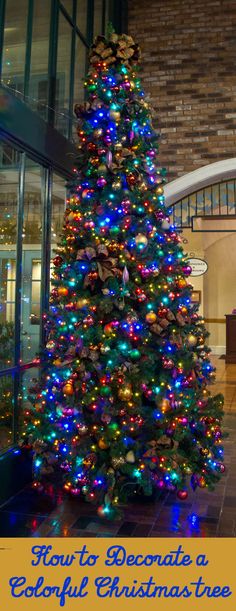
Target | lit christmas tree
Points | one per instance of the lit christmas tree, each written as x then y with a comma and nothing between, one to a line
124,403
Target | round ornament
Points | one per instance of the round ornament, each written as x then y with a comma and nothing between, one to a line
97,133
182,494
62,291
57,261
68,389
151,317
182,283
165,405
81,303
130,458
192,340
51,345
125,393
134,354
116,185
141,241
202,482
108,330
105,391
102,444
117,461
115,115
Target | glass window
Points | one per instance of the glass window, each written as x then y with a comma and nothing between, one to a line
231,197
29,379
81,18
68,5
31,260
38,86
9,178
6,411
13,61
97,18
80,68
63,75
58,210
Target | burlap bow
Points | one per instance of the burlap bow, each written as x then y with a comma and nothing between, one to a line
106,266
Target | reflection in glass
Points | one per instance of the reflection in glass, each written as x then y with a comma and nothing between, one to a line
13,62
63,75
231,197
29,379
58,209
32,238
80,67
38,85
9,178
6,411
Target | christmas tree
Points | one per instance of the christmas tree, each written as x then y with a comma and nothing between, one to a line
123,403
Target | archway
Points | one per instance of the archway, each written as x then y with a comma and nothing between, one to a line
203,206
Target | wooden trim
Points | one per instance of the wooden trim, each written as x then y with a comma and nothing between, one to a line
216,320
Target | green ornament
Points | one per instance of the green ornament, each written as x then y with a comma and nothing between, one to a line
114,230
105,391
134,354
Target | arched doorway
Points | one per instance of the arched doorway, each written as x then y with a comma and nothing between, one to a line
203,206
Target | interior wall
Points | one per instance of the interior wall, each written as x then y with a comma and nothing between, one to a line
218,284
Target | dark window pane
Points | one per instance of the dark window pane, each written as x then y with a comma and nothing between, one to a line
38,86
82,16
63,75
13,61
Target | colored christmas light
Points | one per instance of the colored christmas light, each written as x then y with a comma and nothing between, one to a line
124,396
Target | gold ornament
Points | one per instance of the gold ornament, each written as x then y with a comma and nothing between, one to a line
81,303
68,389
62,291
102,168
165,405
182,283
117,461
102,444
130,458
191,339
116,185
97,133
125,393
151,317
115,115
141,240
57,362
202,482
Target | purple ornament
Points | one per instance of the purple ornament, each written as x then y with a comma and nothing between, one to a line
131,136
101,182
187,270
125,275
109,159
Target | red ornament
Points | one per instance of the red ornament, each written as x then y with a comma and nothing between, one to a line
57,261
182,494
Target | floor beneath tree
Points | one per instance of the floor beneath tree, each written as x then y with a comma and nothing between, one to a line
203,514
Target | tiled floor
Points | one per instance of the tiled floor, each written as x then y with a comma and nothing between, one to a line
204,514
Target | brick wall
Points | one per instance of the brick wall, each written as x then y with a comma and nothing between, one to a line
189,70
